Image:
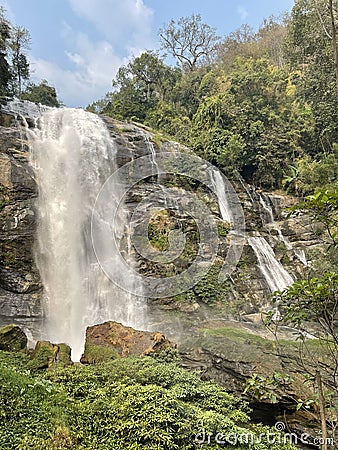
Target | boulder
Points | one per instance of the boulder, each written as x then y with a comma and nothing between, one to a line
12,338
111,340
47,355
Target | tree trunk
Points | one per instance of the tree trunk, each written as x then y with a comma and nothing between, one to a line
334,41
322,409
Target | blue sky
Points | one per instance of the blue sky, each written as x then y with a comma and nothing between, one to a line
78,45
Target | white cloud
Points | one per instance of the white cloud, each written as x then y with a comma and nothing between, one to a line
243,13
94,66
125,27
127,21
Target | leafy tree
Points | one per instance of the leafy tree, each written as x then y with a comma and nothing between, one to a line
140,86
189,40
255,126
19,43
311,48
5,72
322,207
41,93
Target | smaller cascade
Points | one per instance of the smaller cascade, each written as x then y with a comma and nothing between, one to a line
268,219
274,273
222,197
152,153
267,216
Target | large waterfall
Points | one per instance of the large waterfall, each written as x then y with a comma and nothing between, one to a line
73,155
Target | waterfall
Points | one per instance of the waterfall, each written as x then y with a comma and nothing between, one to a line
268,219
73,155
222,197
274,273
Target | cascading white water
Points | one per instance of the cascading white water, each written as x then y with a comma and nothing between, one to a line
274,273
268,219
222,197
73,155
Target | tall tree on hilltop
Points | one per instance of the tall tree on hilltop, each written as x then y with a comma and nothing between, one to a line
19,43
41,93
139,86
189,40
5,73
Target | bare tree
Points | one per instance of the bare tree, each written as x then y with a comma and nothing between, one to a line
189,40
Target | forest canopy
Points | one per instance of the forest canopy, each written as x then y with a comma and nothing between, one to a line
261,104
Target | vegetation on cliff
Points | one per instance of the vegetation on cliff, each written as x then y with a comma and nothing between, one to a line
262,103
128,403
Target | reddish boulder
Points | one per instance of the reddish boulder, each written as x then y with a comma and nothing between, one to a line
111,340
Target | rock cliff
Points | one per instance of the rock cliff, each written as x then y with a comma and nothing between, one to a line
290,244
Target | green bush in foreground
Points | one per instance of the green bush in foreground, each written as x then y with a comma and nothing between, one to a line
134,403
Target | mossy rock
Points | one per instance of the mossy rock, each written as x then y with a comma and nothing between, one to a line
47,356
12,338
64,355
43,356
96,354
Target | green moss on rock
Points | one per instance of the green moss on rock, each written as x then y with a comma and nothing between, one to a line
96,354
12,338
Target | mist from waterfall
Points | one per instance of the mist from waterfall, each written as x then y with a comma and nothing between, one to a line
73,155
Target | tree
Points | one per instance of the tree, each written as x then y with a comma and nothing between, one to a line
19,43
41,93
140,86
311,46
190,41
5,73
334,38
254,126
322,207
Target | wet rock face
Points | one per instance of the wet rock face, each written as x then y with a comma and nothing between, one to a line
12,338
20,286
112,339
247,292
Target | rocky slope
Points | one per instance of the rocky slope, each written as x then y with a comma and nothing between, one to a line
292,243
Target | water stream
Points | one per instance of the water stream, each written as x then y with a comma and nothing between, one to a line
73,155
274,273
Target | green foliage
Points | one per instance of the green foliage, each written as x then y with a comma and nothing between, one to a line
255,126
322,207
209,290
314,299
41,93
96,353
309,49
139,87
265,388
312,174
134,403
